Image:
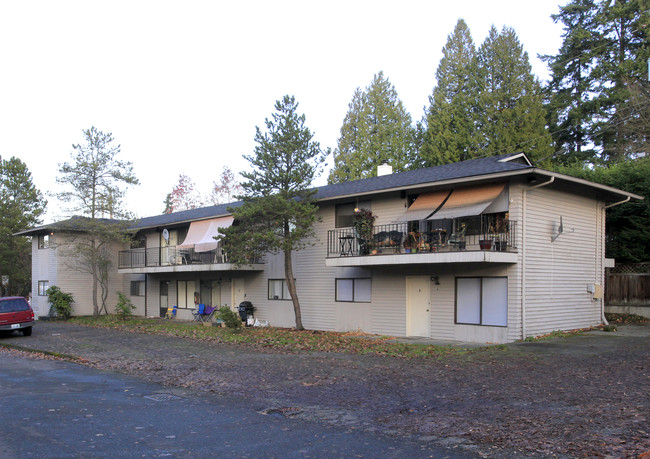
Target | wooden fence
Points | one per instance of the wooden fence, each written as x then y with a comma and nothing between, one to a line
627,289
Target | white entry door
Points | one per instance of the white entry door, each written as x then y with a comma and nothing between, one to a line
418,307
238,293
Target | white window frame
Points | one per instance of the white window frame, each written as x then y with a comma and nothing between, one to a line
481,301
358,295
187,299
43,285
283,293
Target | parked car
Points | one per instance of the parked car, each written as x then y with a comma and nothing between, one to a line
16,314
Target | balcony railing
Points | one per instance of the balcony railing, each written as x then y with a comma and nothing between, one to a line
400,238
169,256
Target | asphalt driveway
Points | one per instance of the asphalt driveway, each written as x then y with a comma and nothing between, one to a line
578,396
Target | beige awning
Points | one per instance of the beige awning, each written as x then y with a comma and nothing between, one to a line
423,206
466,202
201,234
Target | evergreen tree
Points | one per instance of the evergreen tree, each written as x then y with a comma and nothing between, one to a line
511,115
450,129
625,32
278,210
21,207
570,90
377,128
604,54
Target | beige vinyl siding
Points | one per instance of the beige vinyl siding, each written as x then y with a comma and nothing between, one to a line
515,211
138,301
80,283
44,267
315,282
558,273
388,208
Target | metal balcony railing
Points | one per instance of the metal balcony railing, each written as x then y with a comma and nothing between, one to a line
402,238
169,256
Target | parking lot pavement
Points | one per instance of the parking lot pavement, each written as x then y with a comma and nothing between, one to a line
59,409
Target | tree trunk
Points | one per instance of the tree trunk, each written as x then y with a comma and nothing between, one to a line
93,269
288,275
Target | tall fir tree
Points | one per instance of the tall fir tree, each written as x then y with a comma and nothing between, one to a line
377,128
569,91
625,32
450,134
278,212
604,55
510,110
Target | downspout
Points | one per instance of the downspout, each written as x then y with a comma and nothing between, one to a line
523,255
603,319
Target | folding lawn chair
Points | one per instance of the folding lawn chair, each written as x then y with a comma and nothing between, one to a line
208,313
197,313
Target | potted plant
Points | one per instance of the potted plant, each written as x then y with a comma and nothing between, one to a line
410,243
364,222
486,242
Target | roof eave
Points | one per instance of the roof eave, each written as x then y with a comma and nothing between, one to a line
437,183
587,183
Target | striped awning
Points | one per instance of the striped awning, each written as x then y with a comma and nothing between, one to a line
424,205
470,201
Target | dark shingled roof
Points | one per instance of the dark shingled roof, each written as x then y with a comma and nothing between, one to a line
471,168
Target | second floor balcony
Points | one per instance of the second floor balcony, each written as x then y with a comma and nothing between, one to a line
171,259
405,243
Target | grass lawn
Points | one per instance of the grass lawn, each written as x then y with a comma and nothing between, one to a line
284,339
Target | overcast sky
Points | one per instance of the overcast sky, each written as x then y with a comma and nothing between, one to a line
182,85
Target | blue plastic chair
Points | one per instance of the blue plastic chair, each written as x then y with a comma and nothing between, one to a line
198,313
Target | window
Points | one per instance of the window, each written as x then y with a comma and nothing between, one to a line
43,241
345,213
278,290
185,294
137,288
42,287
354,290
482,301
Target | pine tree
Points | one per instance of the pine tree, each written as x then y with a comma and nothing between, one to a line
96,182
510,113
377,128
450,129
278,210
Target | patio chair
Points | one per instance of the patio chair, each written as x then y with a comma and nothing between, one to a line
208,313
171,312
198,312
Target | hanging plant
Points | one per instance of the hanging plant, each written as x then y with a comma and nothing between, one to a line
364,222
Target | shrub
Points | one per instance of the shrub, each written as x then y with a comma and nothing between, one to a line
60,301
230,318
124,307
